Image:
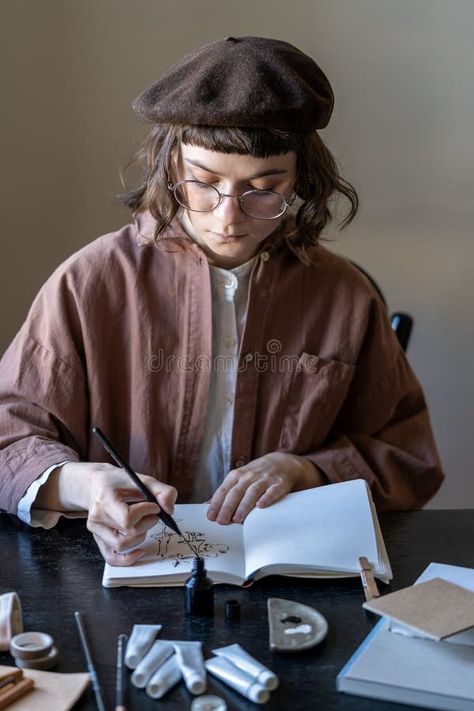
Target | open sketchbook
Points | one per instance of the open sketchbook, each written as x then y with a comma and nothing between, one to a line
318,532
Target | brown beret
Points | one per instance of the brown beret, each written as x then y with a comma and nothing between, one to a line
241,81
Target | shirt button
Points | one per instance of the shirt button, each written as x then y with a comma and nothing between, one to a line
229,342
239,462
264,256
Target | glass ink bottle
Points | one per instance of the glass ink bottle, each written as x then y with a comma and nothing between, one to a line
199,591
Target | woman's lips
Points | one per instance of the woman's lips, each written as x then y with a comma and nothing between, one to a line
227,238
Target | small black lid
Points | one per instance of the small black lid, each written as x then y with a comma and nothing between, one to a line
232,609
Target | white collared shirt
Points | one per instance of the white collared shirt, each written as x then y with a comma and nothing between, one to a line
229,305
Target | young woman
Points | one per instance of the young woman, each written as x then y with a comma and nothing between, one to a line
228,355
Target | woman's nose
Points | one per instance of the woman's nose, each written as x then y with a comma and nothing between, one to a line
229,210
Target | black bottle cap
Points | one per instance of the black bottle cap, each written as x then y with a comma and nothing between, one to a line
232,609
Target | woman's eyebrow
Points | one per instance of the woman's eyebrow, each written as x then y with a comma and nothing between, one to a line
262,174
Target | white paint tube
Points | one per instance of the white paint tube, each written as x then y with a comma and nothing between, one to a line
242,659
237,679
164,678
153,659
140,641
191,663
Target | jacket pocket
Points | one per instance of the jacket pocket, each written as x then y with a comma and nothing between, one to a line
317,392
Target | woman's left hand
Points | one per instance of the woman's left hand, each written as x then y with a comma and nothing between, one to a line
260,483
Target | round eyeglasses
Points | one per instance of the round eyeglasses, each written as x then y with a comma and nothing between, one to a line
202,197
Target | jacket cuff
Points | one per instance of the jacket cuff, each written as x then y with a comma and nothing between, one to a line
24,461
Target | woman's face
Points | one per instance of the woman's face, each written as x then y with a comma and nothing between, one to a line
227,235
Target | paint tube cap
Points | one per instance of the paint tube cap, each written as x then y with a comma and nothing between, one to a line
232,610
268,679
209,703
195,683
258,694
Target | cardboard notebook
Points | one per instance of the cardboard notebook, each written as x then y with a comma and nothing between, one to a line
435,609
318,532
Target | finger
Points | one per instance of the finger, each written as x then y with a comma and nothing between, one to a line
116,540
250,498
273,493
119,539
113,558
219,495
230,504
216,502
120,543
165,494
113,510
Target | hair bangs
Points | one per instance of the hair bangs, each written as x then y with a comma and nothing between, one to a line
257,142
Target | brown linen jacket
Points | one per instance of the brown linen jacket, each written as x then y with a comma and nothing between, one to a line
120,337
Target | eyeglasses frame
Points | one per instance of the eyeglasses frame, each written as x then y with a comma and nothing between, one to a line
288,203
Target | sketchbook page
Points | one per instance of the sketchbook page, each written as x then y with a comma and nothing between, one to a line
168,559
464,577
325,529
387,574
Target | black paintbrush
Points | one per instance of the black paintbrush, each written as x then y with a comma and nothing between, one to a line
165,517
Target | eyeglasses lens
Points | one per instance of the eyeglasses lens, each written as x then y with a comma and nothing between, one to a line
262,204
197,196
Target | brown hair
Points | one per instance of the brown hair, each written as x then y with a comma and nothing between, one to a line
318,181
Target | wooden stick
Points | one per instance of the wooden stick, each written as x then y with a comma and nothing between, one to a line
13,675
15,691
368,581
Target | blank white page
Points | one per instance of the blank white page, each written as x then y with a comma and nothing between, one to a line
327,527
464,577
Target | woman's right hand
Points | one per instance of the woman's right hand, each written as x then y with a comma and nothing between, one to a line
105,492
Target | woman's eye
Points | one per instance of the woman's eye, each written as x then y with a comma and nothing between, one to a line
210,180
261,187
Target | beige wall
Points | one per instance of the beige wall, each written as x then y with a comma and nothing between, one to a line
403,79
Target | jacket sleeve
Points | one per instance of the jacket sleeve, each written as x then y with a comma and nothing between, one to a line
43,393
383,432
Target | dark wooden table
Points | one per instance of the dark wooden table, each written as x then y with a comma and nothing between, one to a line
58,571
